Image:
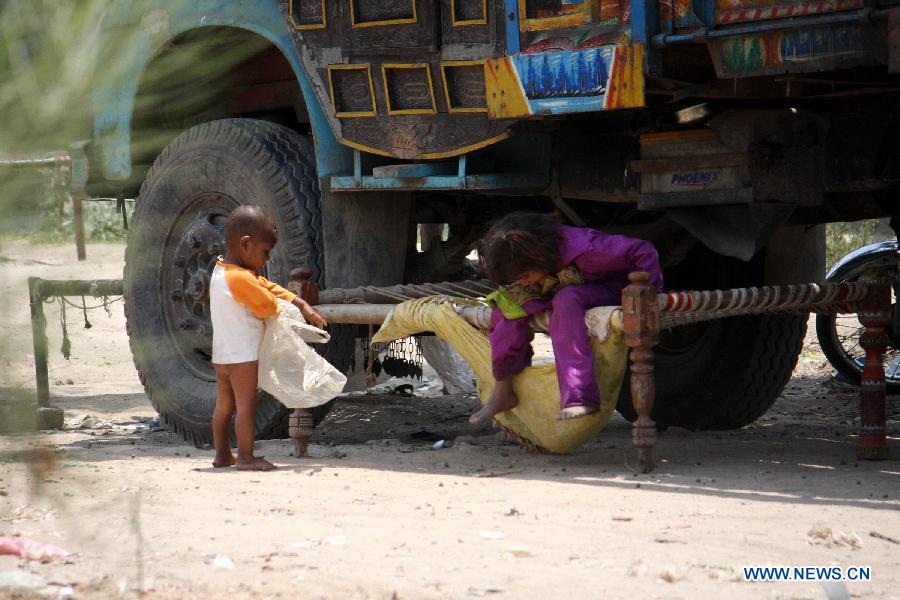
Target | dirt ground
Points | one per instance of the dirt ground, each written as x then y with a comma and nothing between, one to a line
376,512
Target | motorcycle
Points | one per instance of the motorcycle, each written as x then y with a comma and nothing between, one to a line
839,335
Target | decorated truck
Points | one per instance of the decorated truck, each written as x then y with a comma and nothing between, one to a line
724,131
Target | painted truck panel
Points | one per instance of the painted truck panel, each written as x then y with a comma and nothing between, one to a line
435,79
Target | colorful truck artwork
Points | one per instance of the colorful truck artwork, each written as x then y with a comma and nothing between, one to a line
724,131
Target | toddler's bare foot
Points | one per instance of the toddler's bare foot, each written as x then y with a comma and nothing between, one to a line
255,463
573,412
224,460
498,403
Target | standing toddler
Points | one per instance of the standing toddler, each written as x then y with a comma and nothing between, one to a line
239,300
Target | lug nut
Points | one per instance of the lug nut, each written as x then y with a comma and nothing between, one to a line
177,295
187,324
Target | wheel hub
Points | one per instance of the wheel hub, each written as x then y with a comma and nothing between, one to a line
196,241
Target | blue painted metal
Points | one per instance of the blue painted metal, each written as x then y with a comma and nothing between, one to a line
461,166
644,20
419,170
511,18
708,12
114,98
562,106
537,182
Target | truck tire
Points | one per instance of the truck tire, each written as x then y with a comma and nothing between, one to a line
722,374
176,235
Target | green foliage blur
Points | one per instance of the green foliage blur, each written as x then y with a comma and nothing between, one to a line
843,238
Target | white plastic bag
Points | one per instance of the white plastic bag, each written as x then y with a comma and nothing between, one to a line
289,369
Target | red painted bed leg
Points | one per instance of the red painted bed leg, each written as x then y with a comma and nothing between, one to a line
872,441
640,314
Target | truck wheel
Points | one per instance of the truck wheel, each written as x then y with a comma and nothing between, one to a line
721,374
176,236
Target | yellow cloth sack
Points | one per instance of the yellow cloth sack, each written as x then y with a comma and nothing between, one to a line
534,419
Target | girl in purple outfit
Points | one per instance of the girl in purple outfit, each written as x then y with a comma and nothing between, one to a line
542,264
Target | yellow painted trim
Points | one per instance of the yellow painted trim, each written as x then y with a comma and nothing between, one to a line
461,63
368,70
432,155
297,25
356,25
482,21
638,98
364,148
387,93
503,90
573,20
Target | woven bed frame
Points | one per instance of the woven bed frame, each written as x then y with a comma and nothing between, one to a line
645,313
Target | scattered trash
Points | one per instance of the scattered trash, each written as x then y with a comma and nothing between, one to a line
438,445
881,536
623,519
455,373
637,569
473,591
519,553
154,424
87,422
219,561
670,575
512,512
821,534
21,583
492,535
498,473
30,549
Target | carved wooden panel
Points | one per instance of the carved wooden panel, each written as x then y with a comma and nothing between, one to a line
372,13
351,90
468,12
389,26
409,89
386,82
308,14
471,21
464,86
422,137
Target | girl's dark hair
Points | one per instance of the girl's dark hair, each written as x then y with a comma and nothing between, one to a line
520,242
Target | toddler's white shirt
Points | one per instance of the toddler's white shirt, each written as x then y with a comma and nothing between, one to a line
239,300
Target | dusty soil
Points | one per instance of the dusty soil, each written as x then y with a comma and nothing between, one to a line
376,512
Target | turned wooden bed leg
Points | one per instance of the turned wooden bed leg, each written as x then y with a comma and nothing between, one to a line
640,314
875,315
300,428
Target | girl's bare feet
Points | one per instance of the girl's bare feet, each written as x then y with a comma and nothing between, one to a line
573,412
255,463
224,460
503,398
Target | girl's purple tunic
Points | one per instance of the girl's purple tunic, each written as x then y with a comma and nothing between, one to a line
605,262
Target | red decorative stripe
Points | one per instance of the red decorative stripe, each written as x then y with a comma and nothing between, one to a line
724,17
